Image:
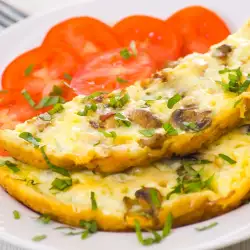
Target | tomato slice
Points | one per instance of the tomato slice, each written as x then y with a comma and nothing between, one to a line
109,71
84,35
161,44
199,27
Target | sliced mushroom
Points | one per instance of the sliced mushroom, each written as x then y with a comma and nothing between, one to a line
144,118
222,51
154,142
108,120
99,98
94,124
191,119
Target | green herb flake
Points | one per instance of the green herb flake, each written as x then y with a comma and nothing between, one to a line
16,215
170,130
39,237
118,101
125,54
91,225
27,136
191,125
49,101
56,109
227,158
87,108
147,132
121,80
61,184
73,233
154,197
64,227
93,201
12,166
85,235
67,76
111,134
200,229
237,102
56,91
44,218
173,100
54,168
29,70
122,120
28,98
167,225
45,117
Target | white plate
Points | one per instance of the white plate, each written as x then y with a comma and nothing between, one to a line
233,227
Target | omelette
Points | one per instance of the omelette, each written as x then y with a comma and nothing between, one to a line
175,113
194,188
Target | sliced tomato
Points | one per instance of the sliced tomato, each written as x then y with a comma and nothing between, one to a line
199,27
161,44
84,35
109,71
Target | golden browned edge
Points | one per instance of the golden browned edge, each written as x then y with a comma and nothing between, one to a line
119,161
186,209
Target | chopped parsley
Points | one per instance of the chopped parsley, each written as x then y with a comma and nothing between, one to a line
67,76
122,120
12,166
93,201
16,215
28,98
48,101
200,229
121,80
91,225
56,91
54,168
154,197
56,109
170,130
39,237
118,101
44,218
61,184
147,132
227,158
125,54
156,236
45,117
87,108
93,95
173,100
27,136
29,70
111,134
191,125
235,83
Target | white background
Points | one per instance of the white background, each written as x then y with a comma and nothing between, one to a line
34,6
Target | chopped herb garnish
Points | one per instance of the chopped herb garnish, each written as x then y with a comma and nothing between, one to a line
29,69
44,218
154,197
73,233
118,101
56,109
237,102
45,117
54,168
173,100
122,120
16,215
97,143
39,237
147,132
167,226
121,80
93,201
206,227
191,126
227,158
56,91
61,184
27,136
12,166
125,54
91,225
170,130
108,134
93,95
87,108
48,101
67,76
64,227
28,98
85,234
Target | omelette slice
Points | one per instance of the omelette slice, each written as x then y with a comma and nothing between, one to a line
174,113
193,189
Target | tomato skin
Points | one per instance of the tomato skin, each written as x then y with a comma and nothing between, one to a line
150,33
102,72
84,35
199,27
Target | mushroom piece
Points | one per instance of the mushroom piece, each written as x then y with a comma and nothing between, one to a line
222,51
108,120
154,142
144,118
191,119
94,124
